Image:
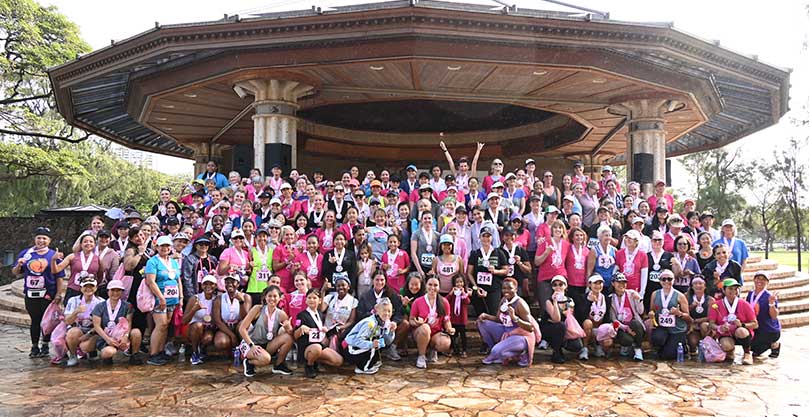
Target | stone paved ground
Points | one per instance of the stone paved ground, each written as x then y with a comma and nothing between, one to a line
597,388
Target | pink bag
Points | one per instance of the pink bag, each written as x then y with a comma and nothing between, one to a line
125,279
52,317
573,330
605,332
712,350
119,332
59,343
145,298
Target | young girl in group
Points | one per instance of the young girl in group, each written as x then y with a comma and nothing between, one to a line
366,265
395,263
459,299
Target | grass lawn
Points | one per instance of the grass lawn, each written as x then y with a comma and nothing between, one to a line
787,258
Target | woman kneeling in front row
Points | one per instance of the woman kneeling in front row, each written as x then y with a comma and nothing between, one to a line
369,336
313,336
268,322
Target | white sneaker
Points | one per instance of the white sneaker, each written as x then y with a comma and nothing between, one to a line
599,353
391,353
543,345
432,356
583,354
421,362
72,361
748,359
637,354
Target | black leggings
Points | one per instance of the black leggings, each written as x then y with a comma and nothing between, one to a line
554,334
763,340
361,360
489,304
459,338
36,310
667,343
581,304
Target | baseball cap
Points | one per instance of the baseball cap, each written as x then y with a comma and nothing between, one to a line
265,194
410,168
535,197
89,282
566,198
497,184
607,168
510,176
659,181
674,219
762,274
209,278
237,233
424,187
180,235
104,232
637,220
172,220
493,195
115,284
122,225
164,240
706,214
529,161
131,216
275,200
446,239
485,230
374,200
198,181
231,277
449,177
619,277
202,239
559,278
354,183
552,209
728,222
667,273
595,278
730,282
376,183
578,164
508,230
633,234
657,235
285,186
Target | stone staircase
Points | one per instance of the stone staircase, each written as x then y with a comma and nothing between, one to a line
793,289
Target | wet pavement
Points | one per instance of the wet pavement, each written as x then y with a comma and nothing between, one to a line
454,387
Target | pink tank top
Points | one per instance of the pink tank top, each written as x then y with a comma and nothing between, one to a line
446,272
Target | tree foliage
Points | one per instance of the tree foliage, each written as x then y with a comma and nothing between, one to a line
76,174
718,175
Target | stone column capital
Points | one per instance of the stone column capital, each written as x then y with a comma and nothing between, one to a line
645,108
269,90
203,151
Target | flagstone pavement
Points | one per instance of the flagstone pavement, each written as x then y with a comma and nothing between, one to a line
454,387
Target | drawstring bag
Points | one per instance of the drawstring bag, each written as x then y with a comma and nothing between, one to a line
573,330
119,332
120,274
712,350
52,317
180,328
59,343
605,332
145,298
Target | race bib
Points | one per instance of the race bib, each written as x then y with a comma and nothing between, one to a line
35,283
510,271
170,291
666,320
263,275
506,320
605,261
446,269
316,336
484,278
426,259
655,276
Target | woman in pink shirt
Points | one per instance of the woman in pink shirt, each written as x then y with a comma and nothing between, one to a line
632,262
550,259
284,258
351,221
430,324
309,262
326,234
575,263
495,171
236,259
395,263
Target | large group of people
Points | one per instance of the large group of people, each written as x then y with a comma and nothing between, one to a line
301,268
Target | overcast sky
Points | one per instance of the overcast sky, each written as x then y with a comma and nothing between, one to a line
773,31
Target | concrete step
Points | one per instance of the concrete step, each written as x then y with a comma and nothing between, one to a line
795,319
794,306
11,302
14,317
791,294
754,259
779,283
17,288
778,273
765,264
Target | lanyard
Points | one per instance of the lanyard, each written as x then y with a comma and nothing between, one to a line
577,253
240,256
113,313
731,308
656,259
85,262
340,257
666,299
316,318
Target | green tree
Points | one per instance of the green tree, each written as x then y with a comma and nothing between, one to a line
791,168
768,210
718,175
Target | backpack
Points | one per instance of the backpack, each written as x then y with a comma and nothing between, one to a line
712,350
145,298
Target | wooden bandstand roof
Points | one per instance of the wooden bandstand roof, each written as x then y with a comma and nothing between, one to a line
391,77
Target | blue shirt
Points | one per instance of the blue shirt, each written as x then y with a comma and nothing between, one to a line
738,252
605,263
221,180
165,279
36,271
762,309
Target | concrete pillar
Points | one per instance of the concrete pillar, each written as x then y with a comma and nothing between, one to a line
204,152
274,123
646,139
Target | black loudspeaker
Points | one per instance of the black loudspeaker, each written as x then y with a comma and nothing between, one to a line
242,159
277,153
643,168
669,172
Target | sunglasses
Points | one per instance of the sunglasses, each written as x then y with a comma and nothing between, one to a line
548,176
558,284
274,228
667,279
237,237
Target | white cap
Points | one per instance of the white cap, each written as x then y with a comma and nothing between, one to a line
493,195
285,185
275,200
728,222
237,233
633,234
164,240
510,175
559,278
595,278
209,278
607,168
497,184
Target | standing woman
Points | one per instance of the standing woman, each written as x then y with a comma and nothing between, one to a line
198,316
108,262
284,258
575,271
262,266
310,262
162,274
687,264
658,260
495,171
486,269
326,233
446,265
84,262
721,268
590,203
552,196
550,260
236,259
261,330
704,253
430,324
41,285
602,259
197,265
424,244
633,263
311,335
463,171
228,309
339,263
671,318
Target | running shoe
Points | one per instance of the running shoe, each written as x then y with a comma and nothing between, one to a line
43,351
775,351
282,369
196,359
72,361
34,352
600,352
638,355
421,362
157,360
432,356
309,371
748,359
391,353
249,368
583,353
625,351
136,359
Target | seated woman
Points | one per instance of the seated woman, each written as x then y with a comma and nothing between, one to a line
198,315
369,337
625,312
106,316
766,306
312,336
597,308
733,321
430,324
295,302
272,329
513,333
340,309
379,290
228,310
78,317
699,311
671,318
557,307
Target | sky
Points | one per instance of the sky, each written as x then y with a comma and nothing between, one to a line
775,32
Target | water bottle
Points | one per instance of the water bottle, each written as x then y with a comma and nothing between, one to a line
680,352
237,356
701,355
